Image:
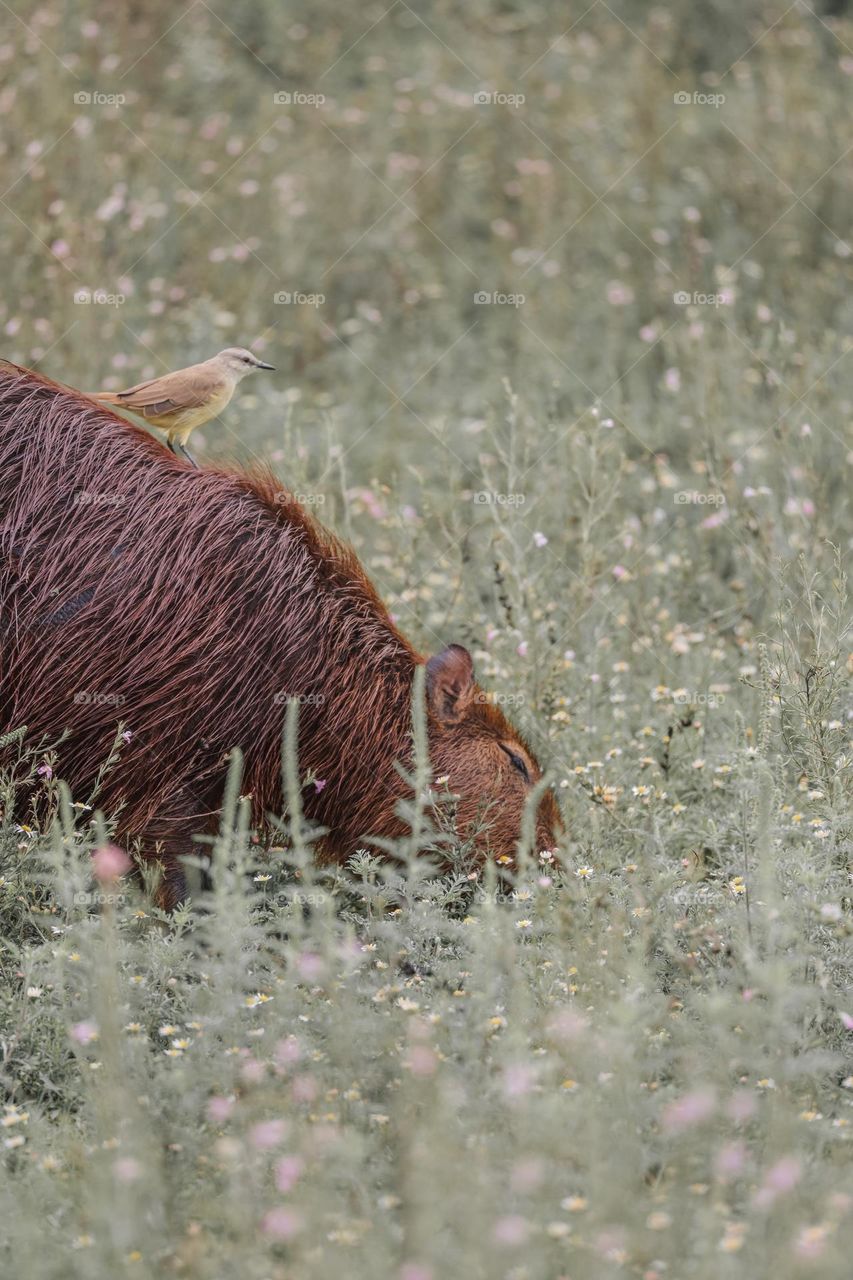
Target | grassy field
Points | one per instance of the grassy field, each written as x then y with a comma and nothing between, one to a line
559,299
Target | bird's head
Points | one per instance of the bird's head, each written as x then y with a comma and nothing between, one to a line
237,361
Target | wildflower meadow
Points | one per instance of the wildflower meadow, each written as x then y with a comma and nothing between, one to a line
558,297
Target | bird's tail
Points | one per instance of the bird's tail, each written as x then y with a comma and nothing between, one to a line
106,397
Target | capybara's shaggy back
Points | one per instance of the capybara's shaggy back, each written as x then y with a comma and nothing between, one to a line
190,604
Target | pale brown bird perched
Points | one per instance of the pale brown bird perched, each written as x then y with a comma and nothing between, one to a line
179,402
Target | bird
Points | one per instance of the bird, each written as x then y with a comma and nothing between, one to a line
178,402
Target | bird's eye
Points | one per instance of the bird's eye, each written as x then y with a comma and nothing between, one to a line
516,762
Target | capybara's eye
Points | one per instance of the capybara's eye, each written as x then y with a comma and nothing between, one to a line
517,762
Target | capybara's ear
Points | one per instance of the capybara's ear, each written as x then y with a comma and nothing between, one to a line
450,683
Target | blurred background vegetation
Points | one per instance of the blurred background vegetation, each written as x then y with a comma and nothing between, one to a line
659,420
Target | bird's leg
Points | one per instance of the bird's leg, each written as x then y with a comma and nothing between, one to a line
180,452
190,459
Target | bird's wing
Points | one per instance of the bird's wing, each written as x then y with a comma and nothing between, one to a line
185,389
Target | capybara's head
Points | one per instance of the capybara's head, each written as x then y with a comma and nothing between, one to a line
486,763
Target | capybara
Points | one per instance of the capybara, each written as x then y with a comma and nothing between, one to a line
189,605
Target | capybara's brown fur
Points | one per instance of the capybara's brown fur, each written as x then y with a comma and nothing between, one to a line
189,605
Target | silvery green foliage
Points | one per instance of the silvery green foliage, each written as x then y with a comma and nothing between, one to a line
581,401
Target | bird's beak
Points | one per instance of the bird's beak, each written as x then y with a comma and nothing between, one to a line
261,365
